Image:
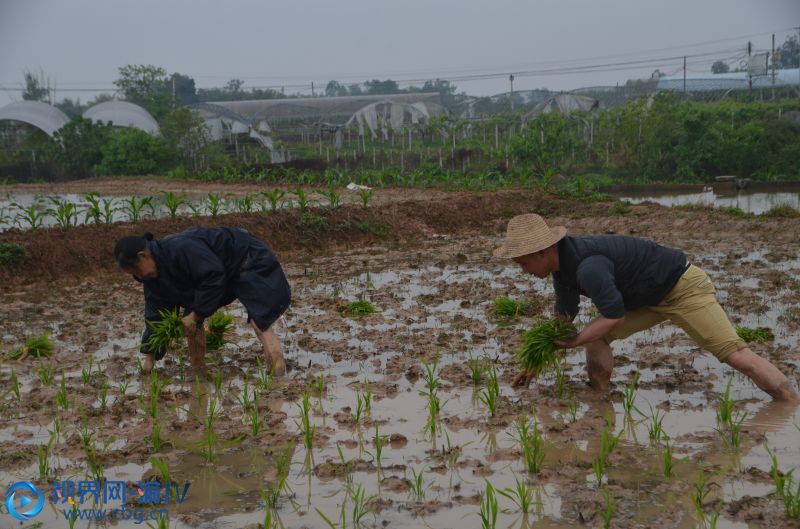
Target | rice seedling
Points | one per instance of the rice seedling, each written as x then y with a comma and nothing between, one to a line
488,512
208,444
669,461
416,485
726,404
160,466
47,375
435,405
84,433
15,384
274,198
61,395
521,495
264,376
379,441
733,429
96,469
608,442
318,385
123,386
72,516
40,346
358,411
538,350
430,375
55,433
156,387
216,328
506,307
531,443
572,409
365,195
86,372
607,513
759,334
173,202
155,438
783,487
43,455
245,397
629,396
361,504
367,395
307,429
273,492
655,430
476,369
701,489
165,331
342,524
134,207
491,395
216,380
64,212
561,378
254,417
104,395
360,307
162,522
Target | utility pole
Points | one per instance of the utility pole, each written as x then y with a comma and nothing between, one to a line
312,88
773,65
174,102
684,74
749,74
511,79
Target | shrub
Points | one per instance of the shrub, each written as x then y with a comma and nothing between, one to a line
11,254
132,151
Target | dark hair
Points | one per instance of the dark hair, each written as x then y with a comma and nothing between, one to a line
127,249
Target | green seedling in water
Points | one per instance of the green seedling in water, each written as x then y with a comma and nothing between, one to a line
86,372
358,411
307,429
489,508
361,503
123,386
506,307
608,512
61,395
783,487
416,485
216,380
217,328
55,433
491,395
43,455
726,405
730,421
208,447
155,438
701,490
572,409
15,384
318,385
360,307
156,387
40,346
435,405
274,490
521,495
759,334
46,375
104,395
531,444
608,442
561,379
379,441
245,397
429,373
655,430
254,417
669,461
629,396
538,351
367,395
160,466
96,469
476,370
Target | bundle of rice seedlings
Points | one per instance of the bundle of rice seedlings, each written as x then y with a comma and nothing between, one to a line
216,328
538,350
165,331
36,346
507,307
360,307
759,334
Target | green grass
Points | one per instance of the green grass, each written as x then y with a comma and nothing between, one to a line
11,254
782,211
360,307
216,329
538,350
40,346
759,334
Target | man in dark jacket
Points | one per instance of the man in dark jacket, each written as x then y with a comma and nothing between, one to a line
201,270
634,284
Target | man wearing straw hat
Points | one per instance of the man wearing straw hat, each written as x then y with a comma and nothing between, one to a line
635,284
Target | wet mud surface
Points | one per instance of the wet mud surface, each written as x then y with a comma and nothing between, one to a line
434,292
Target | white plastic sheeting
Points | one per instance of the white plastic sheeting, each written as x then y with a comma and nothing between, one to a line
565,104
729,81
123,114
41,115
385,115
223,122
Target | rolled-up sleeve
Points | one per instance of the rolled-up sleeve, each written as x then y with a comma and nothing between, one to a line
595,277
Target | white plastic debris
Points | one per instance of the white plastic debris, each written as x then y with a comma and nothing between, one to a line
357,187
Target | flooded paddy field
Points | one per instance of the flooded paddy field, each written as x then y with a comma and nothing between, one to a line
350,427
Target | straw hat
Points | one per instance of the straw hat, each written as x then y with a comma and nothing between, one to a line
528,234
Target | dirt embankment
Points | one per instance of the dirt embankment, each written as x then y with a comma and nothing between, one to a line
86,250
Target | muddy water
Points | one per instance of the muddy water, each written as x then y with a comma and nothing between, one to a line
430,306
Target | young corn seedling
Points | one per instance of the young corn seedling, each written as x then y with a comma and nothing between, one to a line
43,454
629,396
416,485
489,508
521,495
608,442
531,444
538,351
306,428
334,198
100,211
134,207
64,212
29,216
173,202
476,369
274,198
365,195
245,204
214,204
506,307
783,487
217,328
40,346
491,395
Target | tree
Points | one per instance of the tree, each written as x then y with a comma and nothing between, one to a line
184,89
334,88
34,88
147,86
78,146
720,67
788,55
354,89
234,85
382,87
186,138
71,108
131,151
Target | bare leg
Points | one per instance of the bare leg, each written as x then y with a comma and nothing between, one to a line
272,350
196,344
149,362
763,373
599,364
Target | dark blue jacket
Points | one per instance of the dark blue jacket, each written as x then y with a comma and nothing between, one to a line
194,269
616,272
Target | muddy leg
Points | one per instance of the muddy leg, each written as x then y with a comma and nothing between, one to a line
763,373
149,362
599,364
196,344
272,350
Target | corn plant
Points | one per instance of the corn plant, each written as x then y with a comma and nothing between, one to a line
538,350
29,216
274,198
334,198
173,203
245,204
608,442
416,485
491,395
134,207
307,429
531,443
215,203
39,346
365,195
303,200
520,495
100,211
783,487
629,396
64,212
489,509
43,455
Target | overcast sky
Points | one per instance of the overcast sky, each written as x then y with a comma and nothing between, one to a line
80,44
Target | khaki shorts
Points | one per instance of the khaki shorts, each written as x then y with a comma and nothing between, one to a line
691,305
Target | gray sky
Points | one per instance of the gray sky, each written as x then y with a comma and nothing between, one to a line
81,43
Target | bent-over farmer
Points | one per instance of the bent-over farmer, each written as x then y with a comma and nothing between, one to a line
634,284
201,270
